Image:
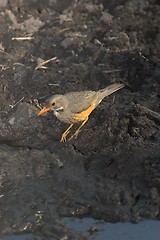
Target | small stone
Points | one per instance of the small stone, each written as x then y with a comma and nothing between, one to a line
106,18
67,42
12,121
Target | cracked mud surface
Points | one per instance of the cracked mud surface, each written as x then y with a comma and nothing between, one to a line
112,170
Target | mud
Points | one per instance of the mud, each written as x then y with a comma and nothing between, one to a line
112,170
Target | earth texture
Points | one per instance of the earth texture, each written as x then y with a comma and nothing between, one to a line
112,170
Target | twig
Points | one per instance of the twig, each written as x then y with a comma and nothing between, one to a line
12,17
41,64
53,84
12,106
114,70
22,38
37,103
19,64
113,101
2,51
150,114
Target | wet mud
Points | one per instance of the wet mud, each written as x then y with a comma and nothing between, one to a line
112,170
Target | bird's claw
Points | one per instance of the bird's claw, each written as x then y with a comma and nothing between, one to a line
74,135
63,138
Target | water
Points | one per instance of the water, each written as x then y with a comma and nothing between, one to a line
146,230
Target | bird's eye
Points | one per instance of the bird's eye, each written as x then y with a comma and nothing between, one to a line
53,104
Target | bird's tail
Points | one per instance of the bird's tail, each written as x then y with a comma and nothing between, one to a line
110,89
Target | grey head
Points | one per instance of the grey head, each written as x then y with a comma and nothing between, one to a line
57,102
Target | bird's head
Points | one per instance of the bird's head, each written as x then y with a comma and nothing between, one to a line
55,103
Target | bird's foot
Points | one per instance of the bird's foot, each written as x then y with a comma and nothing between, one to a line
74,135
63,138
64,135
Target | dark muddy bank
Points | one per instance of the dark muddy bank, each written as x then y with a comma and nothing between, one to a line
112,171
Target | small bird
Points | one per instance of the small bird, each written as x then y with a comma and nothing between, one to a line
75,107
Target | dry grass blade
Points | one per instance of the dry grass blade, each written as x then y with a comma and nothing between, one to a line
12,106
22,38
41,64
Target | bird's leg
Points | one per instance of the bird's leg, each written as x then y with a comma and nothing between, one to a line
64,135
77,131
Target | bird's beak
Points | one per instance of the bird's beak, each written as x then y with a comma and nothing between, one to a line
44,110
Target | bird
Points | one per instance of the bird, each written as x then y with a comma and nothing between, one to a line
75,107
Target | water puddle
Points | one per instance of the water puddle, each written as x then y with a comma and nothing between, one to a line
100,230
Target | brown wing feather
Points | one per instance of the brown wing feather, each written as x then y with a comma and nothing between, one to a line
80,101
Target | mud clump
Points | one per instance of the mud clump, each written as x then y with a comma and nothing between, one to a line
112,170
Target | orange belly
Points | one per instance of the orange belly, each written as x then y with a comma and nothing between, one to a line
79,117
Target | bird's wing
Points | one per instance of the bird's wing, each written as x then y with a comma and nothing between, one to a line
80,101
